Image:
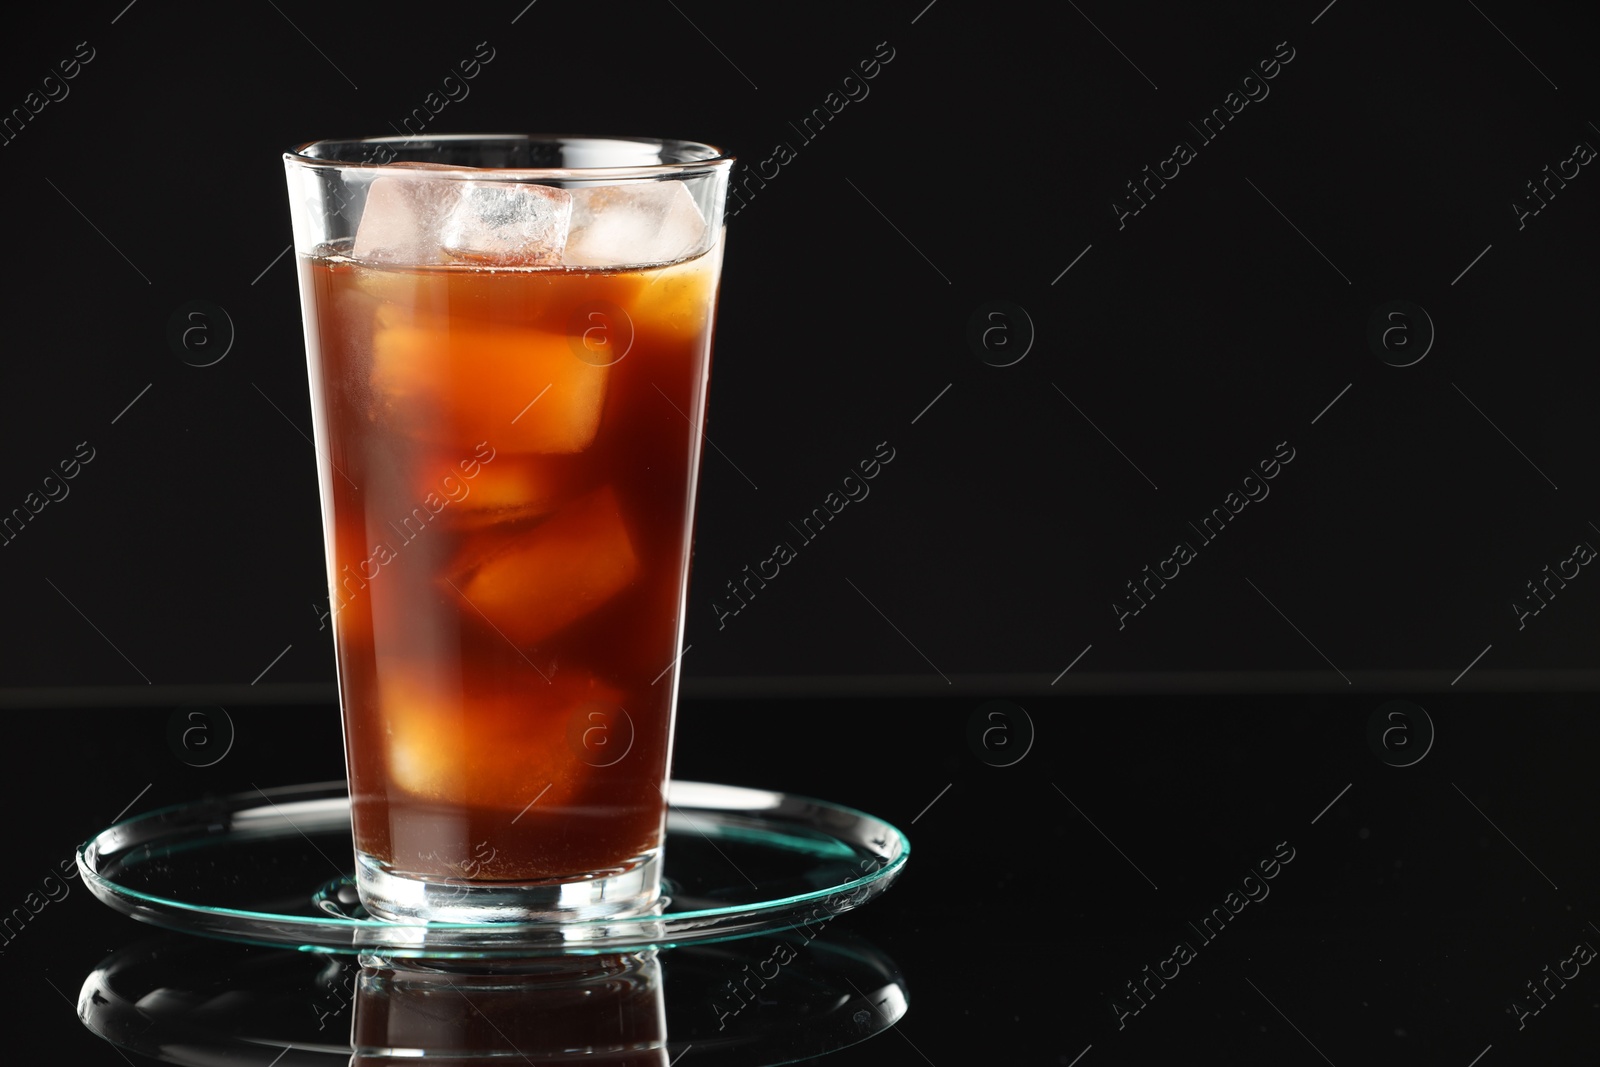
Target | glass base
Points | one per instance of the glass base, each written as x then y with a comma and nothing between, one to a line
634,890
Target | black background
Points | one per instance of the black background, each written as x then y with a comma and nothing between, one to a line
1229,315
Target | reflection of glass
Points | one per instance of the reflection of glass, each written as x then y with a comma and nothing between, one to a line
604,1009
765,1000
509,341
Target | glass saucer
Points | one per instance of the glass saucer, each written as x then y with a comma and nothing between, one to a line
769,1000
275,867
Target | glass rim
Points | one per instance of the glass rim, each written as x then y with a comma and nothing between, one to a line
714,158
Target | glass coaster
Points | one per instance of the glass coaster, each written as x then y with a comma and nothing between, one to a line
275,867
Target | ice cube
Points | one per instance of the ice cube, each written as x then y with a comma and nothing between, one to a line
612,225
675,302
490,745
507,223
402,219
458,383
533,585
506,489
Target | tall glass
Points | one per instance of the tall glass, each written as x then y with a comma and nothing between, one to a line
508,339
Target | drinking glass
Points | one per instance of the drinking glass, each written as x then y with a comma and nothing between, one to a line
508,340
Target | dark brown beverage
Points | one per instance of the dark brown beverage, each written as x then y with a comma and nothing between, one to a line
508,460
